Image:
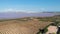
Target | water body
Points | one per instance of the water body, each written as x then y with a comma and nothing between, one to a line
10,15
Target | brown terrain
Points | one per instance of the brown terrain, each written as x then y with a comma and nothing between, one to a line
22,27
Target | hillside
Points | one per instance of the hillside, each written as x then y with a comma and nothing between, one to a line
27,25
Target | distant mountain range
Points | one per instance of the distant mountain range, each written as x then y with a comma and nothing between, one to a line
10,15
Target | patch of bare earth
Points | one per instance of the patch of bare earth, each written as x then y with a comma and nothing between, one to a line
22,27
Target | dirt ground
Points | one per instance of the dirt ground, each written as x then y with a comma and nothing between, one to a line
22,27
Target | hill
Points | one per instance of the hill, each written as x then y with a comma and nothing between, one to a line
26,25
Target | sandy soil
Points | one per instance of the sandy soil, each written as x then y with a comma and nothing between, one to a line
21,27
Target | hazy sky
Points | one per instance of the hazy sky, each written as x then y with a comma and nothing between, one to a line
29,5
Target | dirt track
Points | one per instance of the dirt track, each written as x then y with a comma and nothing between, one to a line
19,27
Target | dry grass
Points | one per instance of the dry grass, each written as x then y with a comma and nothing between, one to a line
22,27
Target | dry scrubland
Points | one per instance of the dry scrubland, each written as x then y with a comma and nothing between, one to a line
23,25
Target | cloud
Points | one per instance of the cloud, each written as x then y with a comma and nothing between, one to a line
19,10
11,10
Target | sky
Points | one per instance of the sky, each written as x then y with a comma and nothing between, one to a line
29,6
